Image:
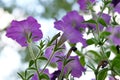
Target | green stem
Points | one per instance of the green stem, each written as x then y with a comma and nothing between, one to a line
37,70
47,62
31,51
61,74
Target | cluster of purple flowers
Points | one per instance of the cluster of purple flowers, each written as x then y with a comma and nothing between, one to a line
73,27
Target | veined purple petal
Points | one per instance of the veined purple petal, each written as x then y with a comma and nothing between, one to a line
21,30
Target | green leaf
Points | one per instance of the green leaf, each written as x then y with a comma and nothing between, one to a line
101,21
30,76
90,41
91,21
21,76
67,61
31,63
104,34
91,65
82,61
113,49
94,53
42,58
31,68
79,53
116,64
102,74
108,54
44,76
53,39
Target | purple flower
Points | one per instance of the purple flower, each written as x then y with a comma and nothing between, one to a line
83,3
116,5
71,24
111,78
25,30
115,34
55,74
74,66
48,52
115,2
46,71
105,17
117,8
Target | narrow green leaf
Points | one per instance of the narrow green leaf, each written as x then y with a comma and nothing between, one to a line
113,49
82,61
44,76
42,58
104,34
21,76
91,21
116,64
31,68
30,76
102,74
108,54
94,53
101,21
90,41
53,39
31,63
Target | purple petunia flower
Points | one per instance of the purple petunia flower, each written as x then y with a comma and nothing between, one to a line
46,71
116,5
83,3
117,8
115,34
74,66
22,31
71,24
115,2
111,78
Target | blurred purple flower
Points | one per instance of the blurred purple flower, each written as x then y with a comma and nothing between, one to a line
105,17
71,24
116,5
115,2
83,3
117,8
111,78
21,31
115,34
74,66
46,71
55,74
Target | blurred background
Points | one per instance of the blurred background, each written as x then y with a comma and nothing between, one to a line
13,57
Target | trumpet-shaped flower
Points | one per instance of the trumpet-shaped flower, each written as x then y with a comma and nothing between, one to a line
25,30
71,25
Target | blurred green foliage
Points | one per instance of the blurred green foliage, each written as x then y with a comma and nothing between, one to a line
51,7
